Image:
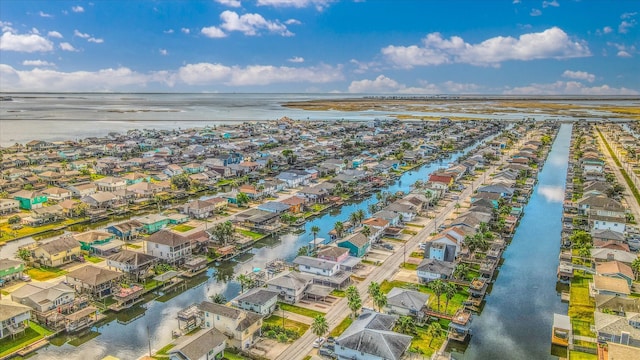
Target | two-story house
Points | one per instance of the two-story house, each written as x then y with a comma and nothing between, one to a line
316,266
10,269
57,252
44,296
13,318
259,300
290,286
168,246
94,281
29,199
242,328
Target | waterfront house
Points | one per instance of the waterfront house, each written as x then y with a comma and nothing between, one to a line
242,328
377,226
127,230
94,281
44,215
274,207
101,200
389,216
406,212
10,269
290,286
168,246
98,242
562,330
199,209
56,193
358,244
616,269
135,265
135,178
8,206
406,302
605,285
258,300
14,318
295,203
110,184
316,266
314,194
29,199
618,329
44,296
497,188
153,222
371,337
57,252
294,179
144,189
82,190
173,170
440,182
432,269
206,344
601,255
333,253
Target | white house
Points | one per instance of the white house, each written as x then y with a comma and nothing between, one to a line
168,246
290,286
316,266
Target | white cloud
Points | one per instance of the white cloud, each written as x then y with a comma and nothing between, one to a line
163,52
569,88
293,22
54,34
318,4
535,12
607,29
170,31
185,30
362,67
516,2
552,43
552,193
35,31
67,47
623,50
251,24
628,15
230,3
24,43
95,40
77,9
625,25
213,32
553,3
461,88
45,15
296,59
381,84
81,35
37,63
6,27
623,53
579,75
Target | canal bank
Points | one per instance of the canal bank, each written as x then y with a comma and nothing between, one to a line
151,324
516,320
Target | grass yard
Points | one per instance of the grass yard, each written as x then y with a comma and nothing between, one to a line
417,254
299,310
424,344
338,293
408,232
233,356
165,350
133,246
32,334
581,306
454,304
344,324
45,273
93,259
409,266
250,234
183,228
298,327
578,355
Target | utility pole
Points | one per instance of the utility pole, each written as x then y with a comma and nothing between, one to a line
149,340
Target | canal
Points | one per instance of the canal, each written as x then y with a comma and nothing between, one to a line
128,335
517,317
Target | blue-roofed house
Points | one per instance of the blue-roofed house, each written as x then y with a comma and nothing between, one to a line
274,207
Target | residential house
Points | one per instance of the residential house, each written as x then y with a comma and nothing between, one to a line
82,190
616,269
294,179
440,181
290,286
406,212
57,252
258,300
10,269
497,188
110,184
144,189
173,170
29,199
606,285
134,264
358,244
44,296
406,302
602,254
296,204
377,226
101,200
98,242
617,329
168,246
316,266
274,207
13,318
333,253
8,206
371,337
242,328
57,194
432,269
94,281
200,209
153,222
206,344
127,230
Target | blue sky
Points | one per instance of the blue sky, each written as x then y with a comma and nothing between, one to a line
584,47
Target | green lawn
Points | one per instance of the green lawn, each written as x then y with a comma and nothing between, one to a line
232,356
133,246
300,310
424,344
417,254
581,306
344,324
338,293
93,259
298,327
578,355
454,304
250,234
32,334
45,273
165,349
409,266
183,228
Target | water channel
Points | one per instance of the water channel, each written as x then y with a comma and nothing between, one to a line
517,317
129,334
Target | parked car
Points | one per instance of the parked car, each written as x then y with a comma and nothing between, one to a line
26,278
387,246
318,342
422,246
2,282
327,353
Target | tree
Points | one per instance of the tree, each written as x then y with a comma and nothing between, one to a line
223,232
353,218
315,229
434,330
580,238
319,326
354,301
373,289
450,290
360,214
14,219
380,300
24,254
437,286
461,271
635,266
242,198
366,231
218,298
407,325
584,252
303,251
181,181
244,281
339,228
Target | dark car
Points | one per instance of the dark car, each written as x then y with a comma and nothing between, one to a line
327,353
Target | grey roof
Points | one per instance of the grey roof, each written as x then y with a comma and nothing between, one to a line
617,303
198,345
220,309
607,235
501,189
332,251
408,299
9,263
42,291
358,239
371,334
63,243
291,280
131,257
614,324
619,255
436,267
258,296
315,263
274,206
10,309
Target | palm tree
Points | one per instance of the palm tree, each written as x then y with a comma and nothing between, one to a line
373,289
380,301
450,290
353,300
315,229
470,242
433,330
461,271
406,325
353,218
218,298
319,326
635,266
242,198
244,280
339,228
437,286
360,214
483,227
366,231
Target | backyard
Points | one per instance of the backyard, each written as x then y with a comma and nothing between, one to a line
45,273
581,306
33,333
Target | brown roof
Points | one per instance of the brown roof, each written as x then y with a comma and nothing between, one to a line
614,267
332,252
377,222
294,200
63,243
611,284
93,276
166,237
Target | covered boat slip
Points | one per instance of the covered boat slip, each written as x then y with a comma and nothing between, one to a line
82,319
127,297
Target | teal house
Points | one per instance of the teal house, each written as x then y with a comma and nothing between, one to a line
29,199
10,269
94,240
153,223
358,244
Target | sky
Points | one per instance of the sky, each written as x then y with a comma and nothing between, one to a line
412,47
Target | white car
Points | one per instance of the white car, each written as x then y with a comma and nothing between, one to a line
318,342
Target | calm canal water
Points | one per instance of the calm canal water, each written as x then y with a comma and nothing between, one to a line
517,317
128,335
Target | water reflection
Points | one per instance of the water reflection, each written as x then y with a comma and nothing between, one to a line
552,193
